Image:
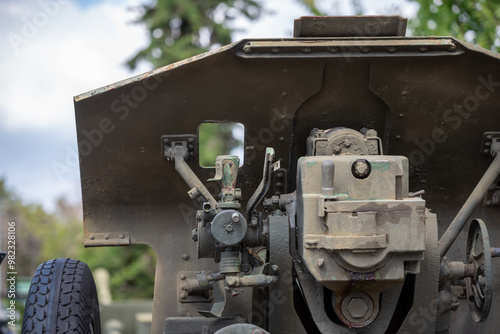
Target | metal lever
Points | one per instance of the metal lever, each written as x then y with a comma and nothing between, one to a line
197,187
263,187
474,199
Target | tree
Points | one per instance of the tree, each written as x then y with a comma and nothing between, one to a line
475,21
179,29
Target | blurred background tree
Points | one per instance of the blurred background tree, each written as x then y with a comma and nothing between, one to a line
475,21
179,29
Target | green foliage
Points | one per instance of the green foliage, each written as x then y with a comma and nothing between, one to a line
131,268
476,21
179,29
216,139
40,236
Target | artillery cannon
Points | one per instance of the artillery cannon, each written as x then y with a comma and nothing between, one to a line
361,146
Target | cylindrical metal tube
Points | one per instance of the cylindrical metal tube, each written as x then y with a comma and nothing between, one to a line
465,212
327,173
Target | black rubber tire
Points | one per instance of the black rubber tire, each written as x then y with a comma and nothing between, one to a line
62,299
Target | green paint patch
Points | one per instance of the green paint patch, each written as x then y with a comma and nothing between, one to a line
380,165
311,163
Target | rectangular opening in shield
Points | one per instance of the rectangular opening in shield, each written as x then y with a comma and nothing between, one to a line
220,139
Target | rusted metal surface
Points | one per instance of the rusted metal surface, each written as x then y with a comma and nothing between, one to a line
349,26
430,99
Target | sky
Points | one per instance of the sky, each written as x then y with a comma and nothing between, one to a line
52,50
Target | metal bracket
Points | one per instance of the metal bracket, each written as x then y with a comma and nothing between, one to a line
340,242
490,143
179,148
106,239
169,142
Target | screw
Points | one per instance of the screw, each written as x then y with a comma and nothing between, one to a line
235,217
247,48
361,169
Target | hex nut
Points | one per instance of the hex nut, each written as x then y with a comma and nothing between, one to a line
357,308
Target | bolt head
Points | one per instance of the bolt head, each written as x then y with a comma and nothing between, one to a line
357,308
235,217
230,280
361,169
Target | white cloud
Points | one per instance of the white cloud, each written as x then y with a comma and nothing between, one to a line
75,50
68,51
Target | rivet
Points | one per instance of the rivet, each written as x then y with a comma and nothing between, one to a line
306,50
106,236
185,256
332,49
424,48
184,295
247,48
183,277
398,137
320,262
91,237
391,49
275,50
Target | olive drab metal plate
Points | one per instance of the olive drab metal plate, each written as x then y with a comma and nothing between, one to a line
429,99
